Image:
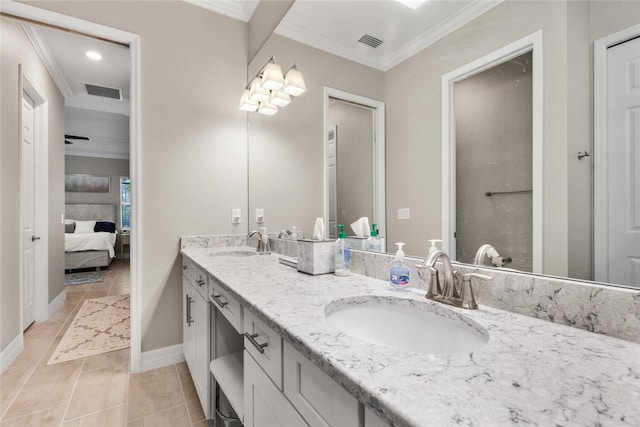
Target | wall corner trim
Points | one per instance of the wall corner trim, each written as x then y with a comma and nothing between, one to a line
10,353
161,357
57,302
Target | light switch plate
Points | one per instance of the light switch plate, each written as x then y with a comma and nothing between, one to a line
236,216
404,213
259,216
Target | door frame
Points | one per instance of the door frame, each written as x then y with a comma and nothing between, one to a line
600,156
531,43
135,158
379,203
41,194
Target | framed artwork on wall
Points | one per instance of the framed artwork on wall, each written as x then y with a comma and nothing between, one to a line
81,183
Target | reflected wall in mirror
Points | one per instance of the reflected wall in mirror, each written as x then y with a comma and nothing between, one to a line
286,158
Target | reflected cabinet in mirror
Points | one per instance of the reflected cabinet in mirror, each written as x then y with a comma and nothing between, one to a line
494,133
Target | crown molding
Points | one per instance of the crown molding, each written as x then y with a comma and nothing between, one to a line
43,49
385,63
236,9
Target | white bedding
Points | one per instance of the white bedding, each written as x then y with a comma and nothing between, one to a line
100,241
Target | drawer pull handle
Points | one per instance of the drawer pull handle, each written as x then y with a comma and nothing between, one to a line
252,339
219,300
200,282
184,267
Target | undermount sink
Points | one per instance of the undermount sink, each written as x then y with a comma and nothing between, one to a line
237,253
406,325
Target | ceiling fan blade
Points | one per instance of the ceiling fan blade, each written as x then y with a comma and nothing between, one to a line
84,138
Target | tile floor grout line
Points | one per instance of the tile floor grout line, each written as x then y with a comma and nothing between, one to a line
157,412
94,413
75,386
184,396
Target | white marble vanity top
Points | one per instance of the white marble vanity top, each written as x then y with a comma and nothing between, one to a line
531,372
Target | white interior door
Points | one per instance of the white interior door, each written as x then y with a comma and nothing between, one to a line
623,146
332,167
27,214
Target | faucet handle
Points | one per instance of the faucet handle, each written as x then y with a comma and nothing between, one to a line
467,297
434,282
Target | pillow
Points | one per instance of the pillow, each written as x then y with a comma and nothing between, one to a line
85,227
69,228
105,226
69,221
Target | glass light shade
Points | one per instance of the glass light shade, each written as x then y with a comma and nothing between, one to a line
256,93
280,99
272,77
267,108
246,104
294,82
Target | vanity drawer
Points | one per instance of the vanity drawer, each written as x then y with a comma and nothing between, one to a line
320,400
188,268
201,282
230,308
265,346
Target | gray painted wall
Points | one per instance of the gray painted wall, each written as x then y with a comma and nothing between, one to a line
16,49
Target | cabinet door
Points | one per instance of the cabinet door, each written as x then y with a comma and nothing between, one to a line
372,420
201,373
188,327
264,404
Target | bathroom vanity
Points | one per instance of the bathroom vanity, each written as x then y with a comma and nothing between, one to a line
282,361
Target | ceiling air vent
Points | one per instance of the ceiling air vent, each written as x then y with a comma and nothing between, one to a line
370,41
105,92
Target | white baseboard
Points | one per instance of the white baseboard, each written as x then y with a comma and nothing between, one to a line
161,357
57,302
9,354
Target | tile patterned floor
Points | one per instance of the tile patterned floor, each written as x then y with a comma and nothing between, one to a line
95,391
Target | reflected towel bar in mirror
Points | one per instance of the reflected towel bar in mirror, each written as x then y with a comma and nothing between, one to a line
498,193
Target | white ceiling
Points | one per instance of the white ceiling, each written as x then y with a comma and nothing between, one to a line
104,121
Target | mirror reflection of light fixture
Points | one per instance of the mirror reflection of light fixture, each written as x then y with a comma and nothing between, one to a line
294,82
267,108
280,99
257,93
270,89
272,77
246,104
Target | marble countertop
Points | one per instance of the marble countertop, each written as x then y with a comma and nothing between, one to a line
530,372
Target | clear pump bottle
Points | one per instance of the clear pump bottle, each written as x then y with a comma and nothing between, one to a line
399,273
342,254
374,243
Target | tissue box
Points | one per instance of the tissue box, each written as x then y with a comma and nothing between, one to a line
316,256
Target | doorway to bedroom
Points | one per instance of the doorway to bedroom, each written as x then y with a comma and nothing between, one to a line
93,75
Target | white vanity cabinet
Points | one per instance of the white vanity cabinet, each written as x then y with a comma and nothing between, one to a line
195,330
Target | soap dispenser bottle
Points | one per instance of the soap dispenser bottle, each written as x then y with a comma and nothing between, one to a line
399,273
433,246
374,243
342,254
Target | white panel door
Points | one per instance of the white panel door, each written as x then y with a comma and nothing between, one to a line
27,214
332,178
623,145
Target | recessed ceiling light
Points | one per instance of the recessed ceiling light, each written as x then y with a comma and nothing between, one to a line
94,55
412,4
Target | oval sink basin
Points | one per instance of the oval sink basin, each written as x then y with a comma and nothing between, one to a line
234,253
407,325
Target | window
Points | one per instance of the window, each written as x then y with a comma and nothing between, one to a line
125,203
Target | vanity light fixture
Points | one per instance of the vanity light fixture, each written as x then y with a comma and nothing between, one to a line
267,109
294,82
246,104
280,99
270,89
256,92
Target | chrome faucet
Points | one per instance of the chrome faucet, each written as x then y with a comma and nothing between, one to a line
488,250
263,243
448,293
284,233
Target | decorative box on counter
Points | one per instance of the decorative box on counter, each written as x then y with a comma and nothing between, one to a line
316,256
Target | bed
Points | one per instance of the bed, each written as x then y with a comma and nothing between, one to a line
89,250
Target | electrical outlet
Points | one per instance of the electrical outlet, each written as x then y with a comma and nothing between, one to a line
236,216
259,216
404,213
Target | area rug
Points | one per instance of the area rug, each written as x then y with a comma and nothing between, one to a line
101,325
82,278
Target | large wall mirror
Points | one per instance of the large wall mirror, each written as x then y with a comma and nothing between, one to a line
286,151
